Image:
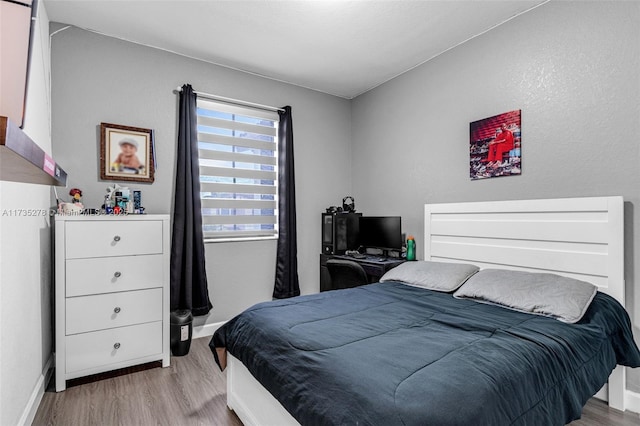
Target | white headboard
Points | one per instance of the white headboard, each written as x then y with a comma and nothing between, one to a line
582,238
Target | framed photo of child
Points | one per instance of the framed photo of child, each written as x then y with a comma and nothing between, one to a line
126,153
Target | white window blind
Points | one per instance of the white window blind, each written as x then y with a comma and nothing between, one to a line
238,170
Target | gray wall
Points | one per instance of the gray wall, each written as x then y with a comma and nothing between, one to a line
100,79
573,70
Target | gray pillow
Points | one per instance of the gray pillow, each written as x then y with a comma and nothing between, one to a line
438,276
550,295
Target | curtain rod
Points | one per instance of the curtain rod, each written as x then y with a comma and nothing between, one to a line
233,101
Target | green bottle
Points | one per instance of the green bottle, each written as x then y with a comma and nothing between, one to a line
411,248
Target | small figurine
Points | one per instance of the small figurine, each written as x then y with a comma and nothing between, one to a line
75,206
76,195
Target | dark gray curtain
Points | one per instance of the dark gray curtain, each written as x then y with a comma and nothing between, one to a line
189,288
286,284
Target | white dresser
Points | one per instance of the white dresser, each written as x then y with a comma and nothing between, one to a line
111,293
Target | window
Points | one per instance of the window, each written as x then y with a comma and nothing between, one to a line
238,170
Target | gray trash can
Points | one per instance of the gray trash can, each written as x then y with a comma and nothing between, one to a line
181,331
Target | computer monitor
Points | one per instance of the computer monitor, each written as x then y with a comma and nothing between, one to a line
381,232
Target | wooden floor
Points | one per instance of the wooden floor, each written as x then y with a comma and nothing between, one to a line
190,392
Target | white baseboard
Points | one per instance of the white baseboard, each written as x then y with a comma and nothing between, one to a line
31,409
206,330
632,401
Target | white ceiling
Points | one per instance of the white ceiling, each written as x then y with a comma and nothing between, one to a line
343,48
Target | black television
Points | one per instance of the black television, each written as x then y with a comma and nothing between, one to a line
380,232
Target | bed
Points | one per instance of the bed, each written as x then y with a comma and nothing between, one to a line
400,352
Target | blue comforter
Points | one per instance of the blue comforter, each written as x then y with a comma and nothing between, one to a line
391,354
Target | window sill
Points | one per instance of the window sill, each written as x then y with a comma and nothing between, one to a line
239,239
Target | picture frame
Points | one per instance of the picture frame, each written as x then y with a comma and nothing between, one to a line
126,153
495,146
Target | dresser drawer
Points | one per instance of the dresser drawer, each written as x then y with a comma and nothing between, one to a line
111,274
101,348
112,238
98,312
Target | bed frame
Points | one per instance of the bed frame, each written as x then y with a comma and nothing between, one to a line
581,238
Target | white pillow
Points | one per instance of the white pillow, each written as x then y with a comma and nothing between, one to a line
550,295
438,276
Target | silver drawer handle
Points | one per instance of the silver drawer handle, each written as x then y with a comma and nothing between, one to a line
116,346
117,310
118,274
116,238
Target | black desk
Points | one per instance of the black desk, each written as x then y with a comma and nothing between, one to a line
374,268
